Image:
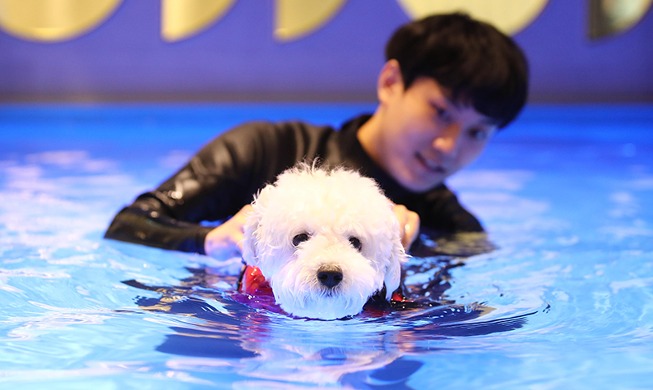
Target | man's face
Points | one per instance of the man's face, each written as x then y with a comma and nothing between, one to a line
425,138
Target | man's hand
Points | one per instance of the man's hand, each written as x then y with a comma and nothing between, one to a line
226,240
408,224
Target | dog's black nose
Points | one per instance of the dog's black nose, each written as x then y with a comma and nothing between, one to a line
329,276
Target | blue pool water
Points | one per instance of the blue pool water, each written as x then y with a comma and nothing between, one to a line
563,300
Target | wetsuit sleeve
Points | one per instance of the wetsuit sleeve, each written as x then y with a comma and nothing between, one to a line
219,180
145,222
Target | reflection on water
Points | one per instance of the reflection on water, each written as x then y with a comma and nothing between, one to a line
258,344
558,295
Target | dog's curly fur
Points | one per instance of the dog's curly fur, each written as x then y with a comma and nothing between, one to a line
313,220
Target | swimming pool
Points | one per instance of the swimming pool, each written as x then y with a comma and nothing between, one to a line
564,300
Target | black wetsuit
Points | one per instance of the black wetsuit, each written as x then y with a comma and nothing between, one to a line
225,174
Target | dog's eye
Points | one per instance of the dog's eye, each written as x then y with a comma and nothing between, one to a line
356,243
298,239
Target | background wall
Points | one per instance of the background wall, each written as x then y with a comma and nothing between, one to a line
238,58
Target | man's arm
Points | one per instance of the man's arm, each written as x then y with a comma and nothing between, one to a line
146,222
214,185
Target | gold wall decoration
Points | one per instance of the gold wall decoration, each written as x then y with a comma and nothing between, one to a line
60,20
181,19
613,17
509,16
53,20
297,18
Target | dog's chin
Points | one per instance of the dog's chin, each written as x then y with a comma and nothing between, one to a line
326,306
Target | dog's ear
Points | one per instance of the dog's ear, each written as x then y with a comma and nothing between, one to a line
393,272
250,237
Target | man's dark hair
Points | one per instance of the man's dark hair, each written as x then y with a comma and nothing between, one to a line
480,66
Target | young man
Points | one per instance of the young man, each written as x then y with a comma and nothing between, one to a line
448,85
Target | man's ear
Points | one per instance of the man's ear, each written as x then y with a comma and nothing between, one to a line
390,81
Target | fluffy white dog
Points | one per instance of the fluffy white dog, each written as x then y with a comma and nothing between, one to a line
325,240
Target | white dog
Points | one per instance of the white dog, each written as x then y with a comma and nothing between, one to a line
325,240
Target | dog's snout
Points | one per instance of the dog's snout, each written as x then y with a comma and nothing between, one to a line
329,276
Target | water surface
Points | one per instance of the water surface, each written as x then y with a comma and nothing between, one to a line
558,295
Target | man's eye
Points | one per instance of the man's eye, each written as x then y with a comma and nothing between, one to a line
479,134
301,237
442,113
356,243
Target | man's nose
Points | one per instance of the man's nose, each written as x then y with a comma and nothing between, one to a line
448,141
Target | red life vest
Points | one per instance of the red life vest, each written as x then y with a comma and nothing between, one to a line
253,283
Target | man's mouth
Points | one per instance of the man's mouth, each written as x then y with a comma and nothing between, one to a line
430,166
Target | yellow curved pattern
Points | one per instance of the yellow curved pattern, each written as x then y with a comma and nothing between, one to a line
509,16
297,18
53,20
622,15
181,19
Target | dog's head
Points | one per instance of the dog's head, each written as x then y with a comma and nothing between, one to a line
325,240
